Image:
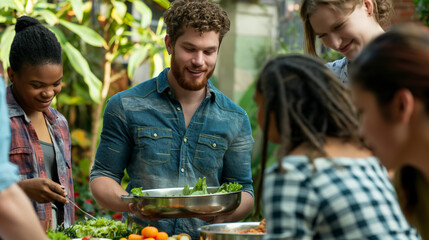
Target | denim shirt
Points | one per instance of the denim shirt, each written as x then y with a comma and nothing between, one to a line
144,132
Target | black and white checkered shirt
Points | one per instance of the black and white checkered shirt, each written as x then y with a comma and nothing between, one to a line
340,198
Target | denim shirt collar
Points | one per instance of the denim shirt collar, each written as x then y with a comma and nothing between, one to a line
162,85
15,109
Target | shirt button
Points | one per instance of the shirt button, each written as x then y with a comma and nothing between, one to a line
178,109
214,145
155,135
169,92
182,170
185,139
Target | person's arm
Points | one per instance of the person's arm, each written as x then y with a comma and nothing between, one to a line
240,213
107,192
17,217
237,168
43,190
111,158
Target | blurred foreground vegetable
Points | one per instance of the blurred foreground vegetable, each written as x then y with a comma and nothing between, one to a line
99,228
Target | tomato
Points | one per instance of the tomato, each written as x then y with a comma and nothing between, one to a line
87,237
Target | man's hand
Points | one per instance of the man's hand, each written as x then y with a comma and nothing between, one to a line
219,218
134,209
43,190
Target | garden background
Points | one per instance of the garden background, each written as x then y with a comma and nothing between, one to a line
106,42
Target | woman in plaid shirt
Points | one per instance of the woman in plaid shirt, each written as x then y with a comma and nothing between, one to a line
326,185
40,143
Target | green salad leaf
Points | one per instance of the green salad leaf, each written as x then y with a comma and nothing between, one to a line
234,187
200,188
186,190
100,228
229,187
138,192
56,235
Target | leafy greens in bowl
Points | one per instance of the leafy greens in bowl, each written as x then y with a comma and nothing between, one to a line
200,188
185,202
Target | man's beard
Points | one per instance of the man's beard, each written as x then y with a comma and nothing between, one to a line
188,84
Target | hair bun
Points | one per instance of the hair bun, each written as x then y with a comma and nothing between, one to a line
24,22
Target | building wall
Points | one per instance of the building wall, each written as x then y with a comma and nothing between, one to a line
404,11
244,49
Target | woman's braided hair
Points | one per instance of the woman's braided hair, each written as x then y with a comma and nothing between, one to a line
34,44
309,104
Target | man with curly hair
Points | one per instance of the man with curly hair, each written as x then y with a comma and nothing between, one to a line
173,129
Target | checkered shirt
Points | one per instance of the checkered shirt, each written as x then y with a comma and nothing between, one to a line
340,198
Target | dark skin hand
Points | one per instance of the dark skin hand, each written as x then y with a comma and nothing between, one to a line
43,190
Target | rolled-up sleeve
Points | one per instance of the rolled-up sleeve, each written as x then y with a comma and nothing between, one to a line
115,145
237,158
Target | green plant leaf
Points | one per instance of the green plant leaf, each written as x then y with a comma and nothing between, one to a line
136,59
77,8
13,4
119,11
145,12
94,85
5,43
80,64
48,16
88,35
158,65
70,100
163,3
160,27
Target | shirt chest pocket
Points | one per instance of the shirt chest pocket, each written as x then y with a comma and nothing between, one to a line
23,158
209,153
154,145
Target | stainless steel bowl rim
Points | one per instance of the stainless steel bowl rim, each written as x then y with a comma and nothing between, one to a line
203,229
167,203
185,196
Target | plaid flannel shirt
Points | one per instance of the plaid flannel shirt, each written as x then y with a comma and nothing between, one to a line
341,198
26,152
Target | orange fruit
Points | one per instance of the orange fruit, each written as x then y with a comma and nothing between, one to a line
149,232
161,236
149,239
135,237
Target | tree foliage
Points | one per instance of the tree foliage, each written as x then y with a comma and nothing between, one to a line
96,36
422,10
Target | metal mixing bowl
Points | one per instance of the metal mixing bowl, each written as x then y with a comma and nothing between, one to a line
229,231
165,203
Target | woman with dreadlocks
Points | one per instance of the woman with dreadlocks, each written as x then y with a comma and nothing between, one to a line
326,185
